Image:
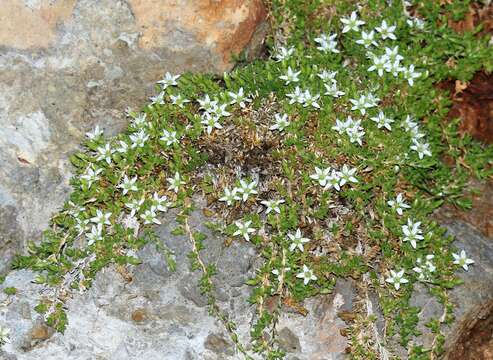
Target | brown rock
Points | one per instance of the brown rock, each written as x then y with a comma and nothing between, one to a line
41,332
139,315
225,27
26,27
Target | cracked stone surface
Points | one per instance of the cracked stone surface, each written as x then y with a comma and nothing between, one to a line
66,66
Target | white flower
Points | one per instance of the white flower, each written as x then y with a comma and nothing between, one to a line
82,225
416,22
4,335
158,99
178,100
409,124
371,100
272,205
123,147
239,98
247,189
244,229
283,53
230,196
297,241
91,175
138,139
321,175
134,206
333,181
393,54
139,120
291,76
412,232
361,104
424,268
382,121
421,148
282,122
307,275
101,218
351,23
332,90
347,175
95,133
105,153
355,133
150,217
327,76
310,100
206,103
342,126
219,110
175,182
211,122
128,184
380,64
398,204
410,74
168,80
278,273
386,32
327,43
462,260
96,234
297,96
396,278
160,203
169,137
367,39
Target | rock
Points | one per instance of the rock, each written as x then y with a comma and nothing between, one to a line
66,66
288,341
218,344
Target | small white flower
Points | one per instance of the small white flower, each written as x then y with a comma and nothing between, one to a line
169,137
81,225
101,218
247,189
160,203
386,32
396,278
134,206
278,272
230,196
219,110
139,120
244,229
424,268
347,175
91,175
272,205
367,39
175,182
123,147
95,133
355,133
421,148
168,80
351,23
398,204
281,123
462,260
297,241
283,53
410,74
290,76
361,104
158,99
206,103
393,54
211,122
150,217
96,234
327,76
310,100
382,121
409,124
333,181
297,96
342,126
138,139
239,98
321,175
4,335
128,184
380,64
327,43
333,91
178,100
307,275
105,153
412,232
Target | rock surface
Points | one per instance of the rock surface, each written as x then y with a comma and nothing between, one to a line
67,65
161,315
